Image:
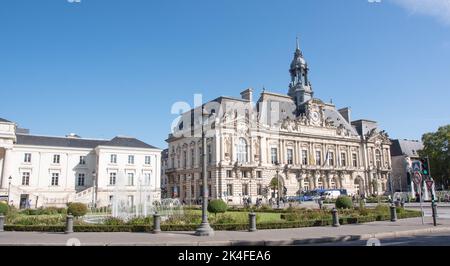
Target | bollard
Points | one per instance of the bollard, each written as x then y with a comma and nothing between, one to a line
252,222
156,223
69,224
2,222
393,213
434,210
335,217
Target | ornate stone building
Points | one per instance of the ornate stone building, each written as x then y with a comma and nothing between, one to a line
309,143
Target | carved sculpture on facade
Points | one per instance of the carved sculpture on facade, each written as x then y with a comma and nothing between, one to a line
227,143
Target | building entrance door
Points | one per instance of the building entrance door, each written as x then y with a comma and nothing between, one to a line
24,201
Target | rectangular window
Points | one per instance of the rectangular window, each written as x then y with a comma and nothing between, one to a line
318,158
258,174
25,179
355,160
259,189
343,159
131,201
81,180
209,174
290,156
209,154
112,179
130,159
304,157
147,178
56,158
244,174
274,155
192,158
229,174
148,160
113,158
82,160
331,158
131,179
244,189
230,189
27,158
55,179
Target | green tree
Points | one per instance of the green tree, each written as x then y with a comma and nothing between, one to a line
274,184
436,147
217,206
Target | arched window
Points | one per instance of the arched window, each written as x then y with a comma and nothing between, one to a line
378,158
242,151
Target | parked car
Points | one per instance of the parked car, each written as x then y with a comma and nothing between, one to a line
331,194
310,196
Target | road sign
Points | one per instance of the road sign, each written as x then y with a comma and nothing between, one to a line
417,166
429,184
417,178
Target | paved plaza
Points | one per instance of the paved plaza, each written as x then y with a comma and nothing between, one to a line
298,236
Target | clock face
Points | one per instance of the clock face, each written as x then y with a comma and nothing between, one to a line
315,117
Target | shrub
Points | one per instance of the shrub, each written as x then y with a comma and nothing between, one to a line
4,208
225,219
113,221
217,206
35,220
266,207
141,221
344,202
77,209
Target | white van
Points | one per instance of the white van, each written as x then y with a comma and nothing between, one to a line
331,194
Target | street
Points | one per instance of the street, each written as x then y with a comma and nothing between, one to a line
436,239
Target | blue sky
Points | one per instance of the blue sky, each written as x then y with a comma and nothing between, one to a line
102,68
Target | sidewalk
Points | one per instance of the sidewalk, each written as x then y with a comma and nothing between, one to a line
300,236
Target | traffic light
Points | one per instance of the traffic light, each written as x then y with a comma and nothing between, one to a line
425,166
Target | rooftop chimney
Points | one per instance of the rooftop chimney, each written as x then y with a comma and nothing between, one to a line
73,136
247,94
346,113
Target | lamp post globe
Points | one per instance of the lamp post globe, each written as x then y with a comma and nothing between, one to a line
204,229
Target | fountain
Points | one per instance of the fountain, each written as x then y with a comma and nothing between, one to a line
128,203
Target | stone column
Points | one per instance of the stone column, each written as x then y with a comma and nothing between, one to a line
7,168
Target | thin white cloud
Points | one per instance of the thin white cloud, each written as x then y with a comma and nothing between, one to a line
439,9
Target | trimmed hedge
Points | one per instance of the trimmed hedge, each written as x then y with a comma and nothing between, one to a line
217,227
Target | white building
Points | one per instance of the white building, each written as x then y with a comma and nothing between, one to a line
40,171
295,141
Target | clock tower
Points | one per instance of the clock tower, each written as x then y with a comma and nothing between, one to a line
300,88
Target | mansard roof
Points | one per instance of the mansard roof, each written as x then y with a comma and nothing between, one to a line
70,142
4,120
406,147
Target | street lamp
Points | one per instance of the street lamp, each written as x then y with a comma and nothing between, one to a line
93,188
9,187
204,229
278,183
